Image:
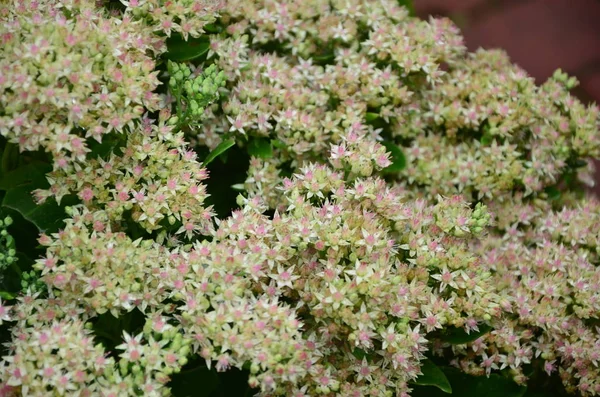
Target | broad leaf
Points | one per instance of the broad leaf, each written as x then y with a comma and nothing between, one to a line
260,147
433,376
220,149
198,381
19,184
458,336
33,174
464,385
397,157
181,50
47,217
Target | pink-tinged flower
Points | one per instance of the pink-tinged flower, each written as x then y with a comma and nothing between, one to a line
5,312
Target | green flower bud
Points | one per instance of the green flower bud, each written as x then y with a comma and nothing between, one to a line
172,67
187,86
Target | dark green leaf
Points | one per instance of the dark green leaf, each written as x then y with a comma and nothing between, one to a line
553,193
359,353
33,174
194,382
260,147
578,163
220,149
47,217
458,336
408,4
10,157
180,50
397,157
213,28
109,145
433,376
464,385
323,59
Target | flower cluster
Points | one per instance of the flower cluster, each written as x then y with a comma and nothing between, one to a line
51,350
487,129
69,72
186,17
548,260
337,248
156,179
331,72
55,351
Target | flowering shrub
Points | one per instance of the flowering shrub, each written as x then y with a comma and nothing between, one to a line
284,198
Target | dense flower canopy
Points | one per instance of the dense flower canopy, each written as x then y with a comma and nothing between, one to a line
404,189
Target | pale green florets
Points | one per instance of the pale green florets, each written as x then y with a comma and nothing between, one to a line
66,66
185,17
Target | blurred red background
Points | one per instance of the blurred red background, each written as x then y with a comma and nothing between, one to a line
539,35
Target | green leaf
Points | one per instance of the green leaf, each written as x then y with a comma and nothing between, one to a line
180,50
359,353
33,174
198,381
7,295
458,336
47,217
433,376
371,117
260,147
220,149
10,157
464,385
278,144
553,193
486,139
397,157
213,28
324,59
110,144
408,4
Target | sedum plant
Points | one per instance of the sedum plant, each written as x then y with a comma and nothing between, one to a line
284,198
